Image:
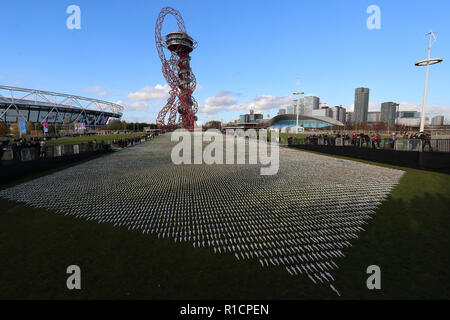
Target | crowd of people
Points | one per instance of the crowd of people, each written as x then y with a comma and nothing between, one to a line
36,146
125,142
371,140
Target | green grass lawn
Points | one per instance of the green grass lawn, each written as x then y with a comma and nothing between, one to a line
77,140
409,238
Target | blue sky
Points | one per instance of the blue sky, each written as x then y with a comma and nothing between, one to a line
250,53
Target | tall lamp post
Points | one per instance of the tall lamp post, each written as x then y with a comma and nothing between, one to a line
427,62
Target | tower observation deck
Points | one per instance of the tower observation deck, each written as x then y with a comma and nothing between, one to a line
178,73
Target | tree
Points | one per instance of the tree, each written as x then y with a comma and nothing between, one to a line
380,126
115,125
213,125
3,129
14,128
29,126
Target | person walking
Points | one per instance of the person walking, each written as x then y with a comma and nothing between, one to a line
43,148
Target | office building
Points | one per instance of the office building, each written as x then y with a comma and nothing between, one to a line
361,105
281,111
437,121
349,117
410,119
338,113
373,117
388,113
250,118
309,104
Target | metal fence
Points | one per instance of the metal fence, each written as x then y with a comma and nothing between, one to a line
433,145
25,154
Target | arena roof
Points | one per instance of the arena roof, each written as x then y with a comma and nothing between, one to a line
289,120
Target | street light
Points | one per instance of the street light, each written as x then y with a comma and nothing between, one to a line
427,62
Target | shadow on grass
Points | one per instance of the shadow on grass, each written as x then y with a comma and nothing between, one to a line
410,243
37,246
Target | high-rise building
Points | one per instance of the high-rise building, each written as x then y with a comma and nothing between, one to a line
291,109
437,121
338,113
281,111
361,105
309,104
388,112
349,117
373,116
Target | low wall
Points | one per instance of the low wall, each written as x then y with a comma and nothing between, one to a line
13,170
439,161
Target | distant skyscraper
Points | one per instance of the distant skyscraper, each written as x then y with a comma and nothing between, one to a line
388,112
338,113
361,105
292,109
349,117
308,104
281,111
342,115
373,117
437,121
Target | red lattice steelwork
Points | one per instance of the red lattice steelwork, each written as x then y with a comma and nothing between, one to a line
178,74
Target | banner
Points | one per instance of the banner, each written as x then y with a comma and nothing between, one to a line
45,127
75,126
23,127
83,126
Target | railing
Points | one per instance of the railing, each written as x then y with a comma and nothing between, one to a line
434,145
25,154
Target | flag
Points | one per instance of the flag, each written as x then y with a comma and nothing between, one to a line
23,127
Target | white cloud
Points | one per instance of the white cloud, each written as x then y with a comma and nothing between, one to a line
150,93
268,102
104,94
227,93
148,118
237,107
218,103
93,89
224,101
98,91
135,106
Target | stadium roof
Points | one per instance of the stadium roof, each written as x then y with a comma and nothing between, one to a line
20,104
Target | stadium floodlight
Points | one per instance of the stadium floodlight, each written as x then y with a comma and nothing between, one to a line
427,62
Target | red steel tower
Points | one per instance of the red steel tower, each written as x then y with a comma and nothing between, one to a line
178,74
